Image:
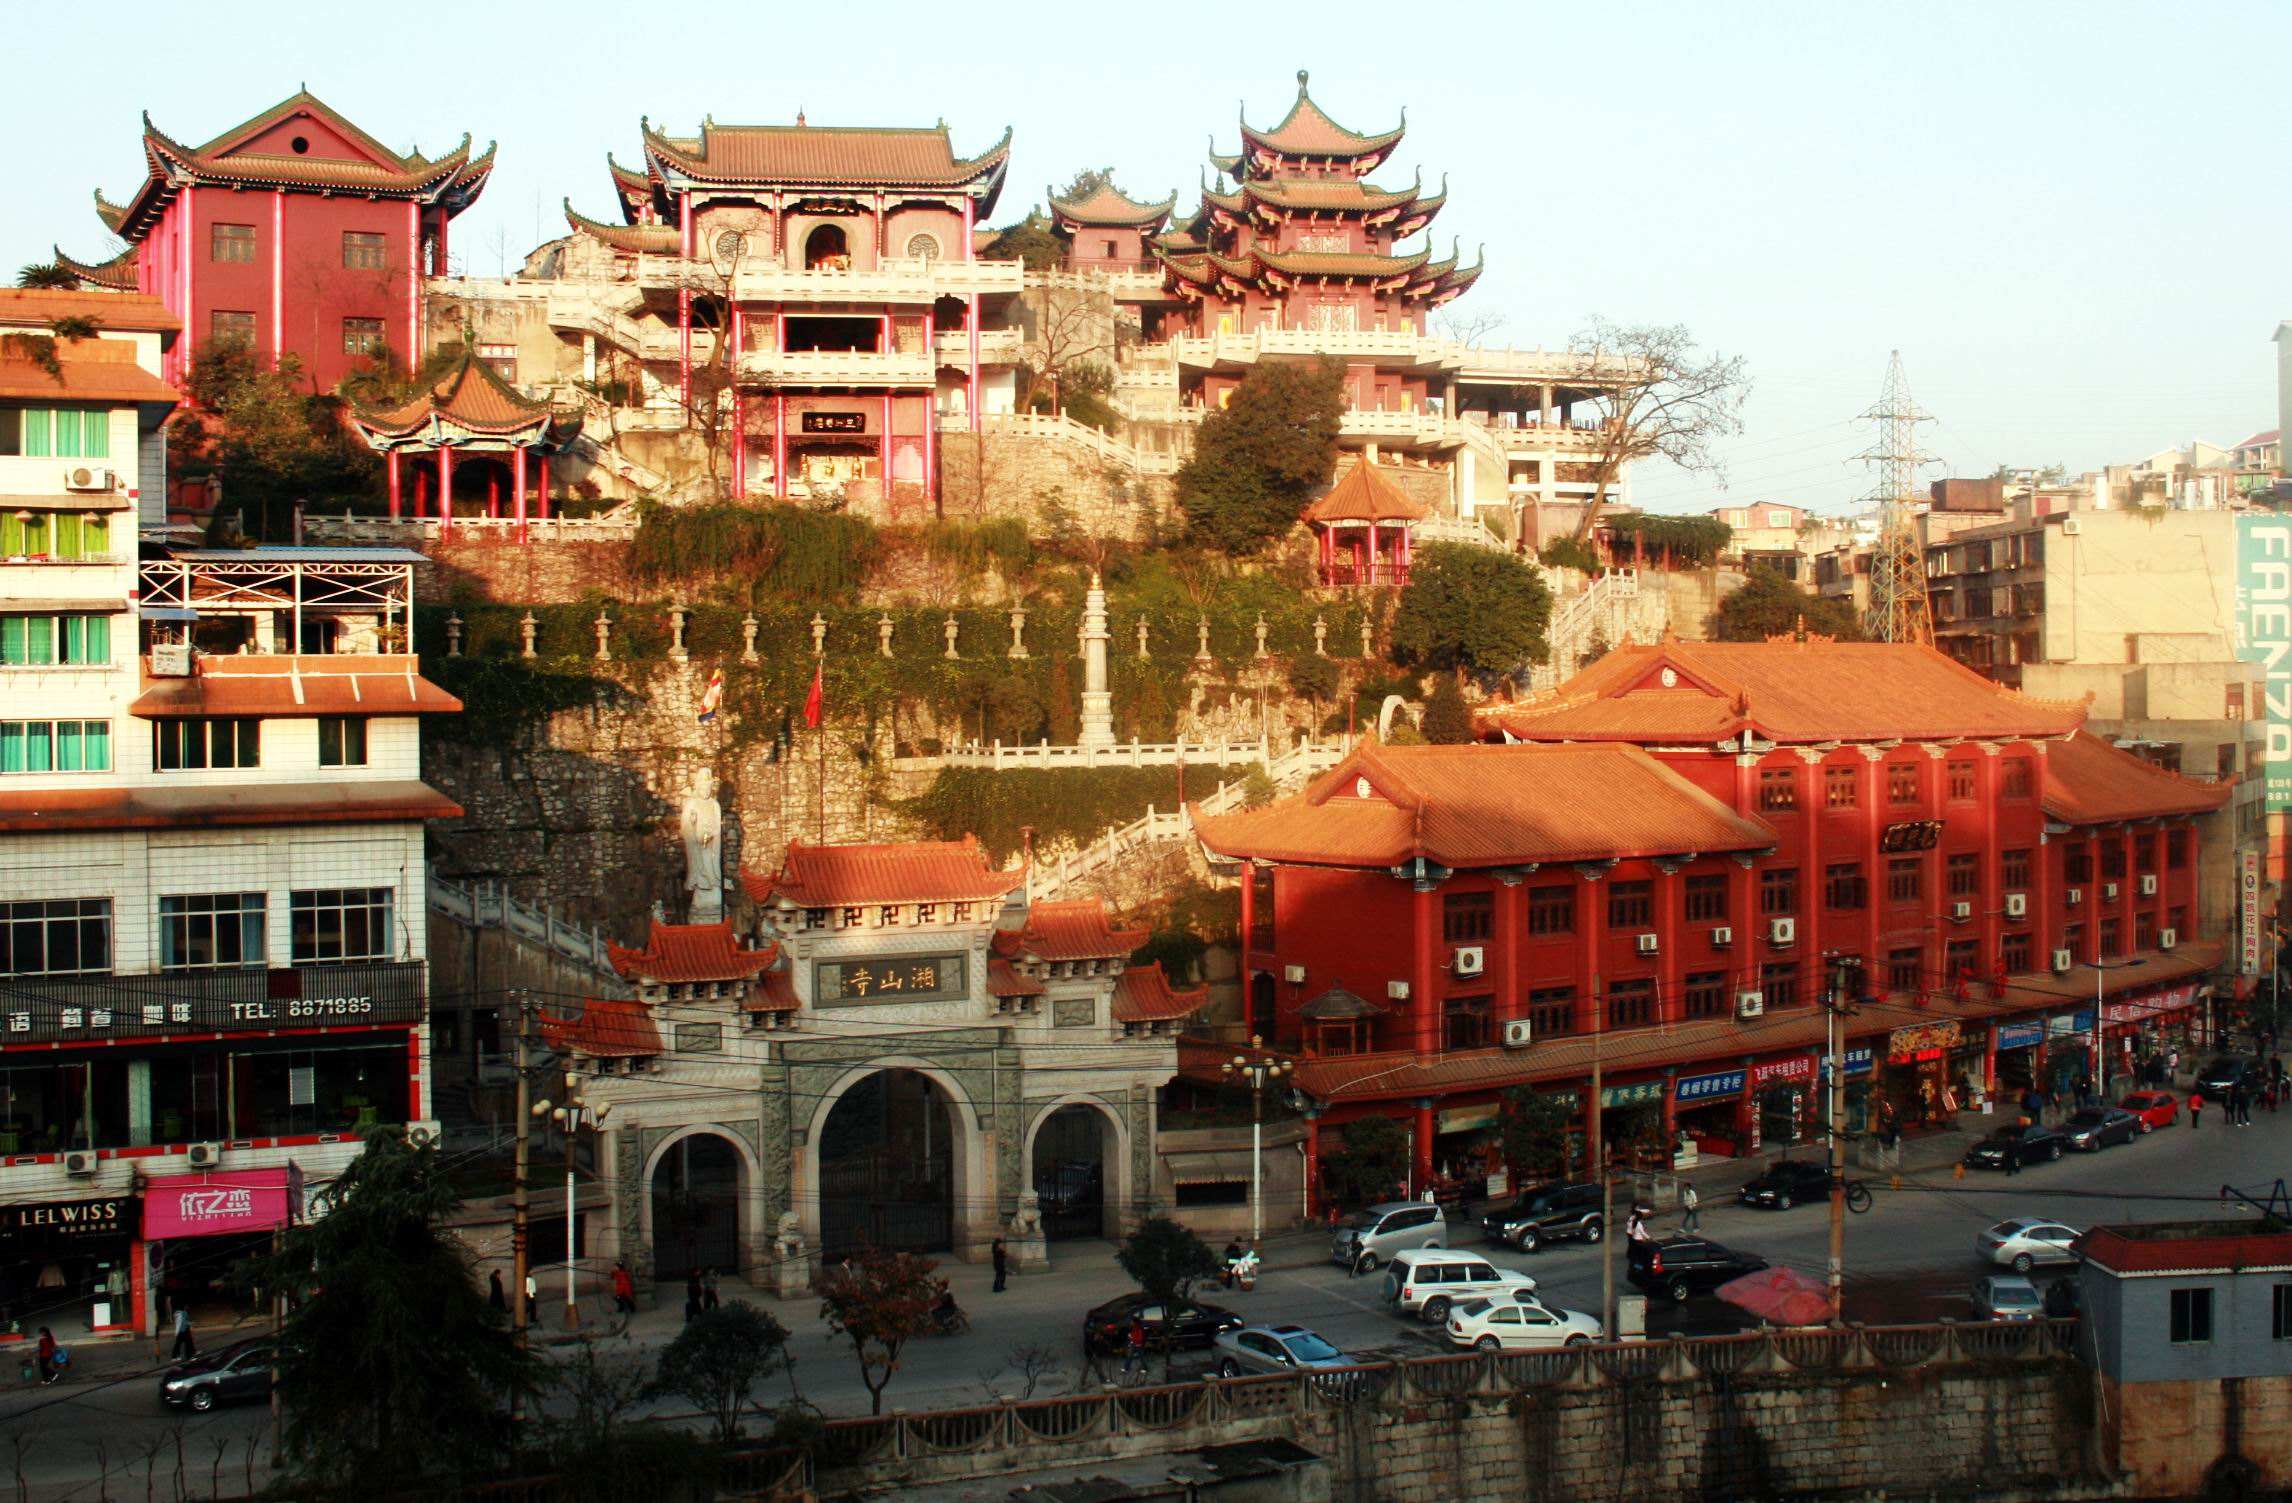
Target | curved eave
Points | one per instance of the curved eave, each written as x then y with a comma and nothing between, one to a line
1125,213
981,177
119,273
632,238
113,215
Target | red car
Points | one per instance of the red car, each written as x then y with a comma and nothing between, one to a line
2155,1108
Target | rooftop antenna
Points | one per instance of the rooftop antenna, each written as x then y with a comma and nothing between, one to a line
1898,610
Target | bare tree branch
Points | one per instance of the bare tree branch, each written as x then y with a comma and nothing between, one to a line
1672,401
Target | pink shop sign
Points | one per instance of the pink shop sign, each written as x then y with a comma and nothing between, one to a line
207,1205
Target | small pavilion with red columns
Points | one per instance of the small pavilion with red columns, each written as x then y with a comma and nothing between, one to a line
473,412
1361,530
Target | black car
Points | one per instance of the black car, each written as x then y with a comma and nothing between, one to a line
2226,1073
2021,1145
1547,1213
1787,1182
2062,1298
2096,1127
1683,1266
1185,1323
236,1374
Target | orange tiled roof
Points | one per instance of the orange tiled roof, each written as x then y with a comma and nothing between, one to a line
1075,930
920,871
119,274
848,155
472,396
342,801
287,687
1339,263
691,952
776,994
1785,691
1005,980
1307,131
1325,194
658,239
79,379
2088,781
1483,806
1364,495
1142,994
608,1028
136,313
1109,205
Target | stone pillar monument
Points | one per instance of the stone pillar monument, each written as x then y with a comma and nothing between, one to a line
1097,701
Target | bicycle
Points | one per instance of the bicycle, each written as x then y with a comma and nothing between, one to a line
1857,1196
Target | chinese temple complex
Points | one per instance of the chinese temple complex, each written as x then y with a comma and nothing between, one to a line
292,233
501,439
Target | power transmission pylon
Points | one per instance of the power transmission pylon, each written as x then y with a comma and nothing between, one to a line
1898,611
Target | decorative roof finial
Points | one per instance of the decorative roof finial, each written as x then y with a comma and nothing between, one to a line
799,115
1301,77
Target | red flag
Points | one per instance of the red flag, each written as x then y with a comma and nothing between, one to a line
812,700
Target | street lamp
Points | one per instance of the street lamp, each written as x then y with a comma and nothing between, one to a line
1837,1003
1260,1070
2100,1016
567,1115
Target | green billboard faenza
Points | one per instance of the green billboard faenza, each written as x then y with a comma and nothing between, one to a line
2264,635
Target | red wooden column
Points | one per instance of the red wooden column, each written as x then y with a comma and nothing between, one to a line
1424,1004
517,487
1312,1163
2044,902
1744,881
2128,894
684,302
2197,915
1990,902
1671,931
541,491
1874,812
780,444
492,495
2162,917
2093,903
390,464
1423,1143
1595,933
1511,933
1813,792
445,489
421,493
931,412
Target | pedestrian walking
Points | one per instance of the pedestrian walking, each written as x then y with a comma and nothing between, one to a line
1689,1218
1002,1266
185,1348
624,1290
708,1290
47,1354
2172,1065
532,1299
496,1296
2196,1111
1635,1227
1134,1347
692,1296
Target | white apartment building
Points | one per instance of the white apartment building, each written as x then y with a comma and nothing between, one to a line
211,850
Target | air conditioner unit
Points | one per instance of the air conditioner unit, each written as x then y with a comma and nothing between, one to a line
170,660
2108,892
1468,960
1519,1033
1782,931
1648,944
2148,886
2167,938
1961,911
2062,961
205,1155
80,1164
1397,991
1722,937
2070,527
2074,896
85,477
2017,905
1293,974
424,1134
1750,1004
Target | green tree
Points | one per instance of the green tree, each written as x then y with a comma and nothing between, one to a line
394,1371
1371,1162
1468,607
1768,605
1448,721
1536,1128
717,1360
1165,1260
1313,678
48,275
1032,241
880,1301
1258,461
268,441
1570,553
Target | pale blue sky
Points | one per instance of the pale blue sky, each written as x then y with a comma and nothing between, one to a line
2071,218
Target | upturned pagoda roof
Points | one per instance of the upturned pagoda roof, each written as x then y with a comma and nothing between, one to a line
917,871
229,160
470,400
1143,994
1107,205
607,1028
1364,495
1066,931
117,275
809,156
658,239
679,953
1307,131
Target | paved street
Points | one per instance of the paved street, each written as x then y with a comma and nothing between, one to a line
1909,1258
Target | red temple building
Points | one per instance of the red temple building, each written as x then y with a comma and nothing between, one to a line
487,442
1686,848
1108,231
295,233
840,264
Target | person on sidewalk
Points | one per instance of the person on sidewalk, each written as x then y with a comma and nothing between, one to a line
50,1368
624,1290
1002,1259
185,1349
2196,1111
692,1296
1689,1218
708,1296
532,1299
1635,1227
496,1296
1134,1347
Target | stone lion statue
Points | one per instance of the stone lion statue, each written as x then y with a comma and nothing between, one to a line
1028,1222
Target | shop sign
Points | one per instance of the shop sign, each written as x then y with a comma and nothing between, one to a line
1778,1072
2248,900
209,1205
906,978
49,1220
2140,1009
1631,1095
834,422
131,1007
1922,1041
2062,1023
1692,1088
1861,1059
1465,1118
2020,1035
1910,835
2264,635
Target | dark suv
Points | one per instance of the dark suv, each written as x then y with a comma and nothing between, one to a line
1547,1213
2225,1074
1785,1183
1682,1266
2027,1144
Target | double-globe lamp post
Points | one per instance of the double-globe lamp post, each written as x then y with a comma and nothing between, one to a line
1259,1070
568,1114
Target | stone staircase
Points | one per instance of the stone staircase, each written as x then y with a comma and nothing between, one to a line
488,905
1610,607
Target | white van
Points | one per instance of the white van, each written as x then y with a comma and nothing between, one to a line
1427,1281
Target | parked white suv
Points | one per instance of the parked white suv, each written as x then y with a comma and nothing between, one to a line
1426,1282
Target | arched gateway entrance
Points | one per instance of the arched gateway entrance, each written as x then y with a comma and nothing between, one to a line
888,1166
696,1190
1075,1168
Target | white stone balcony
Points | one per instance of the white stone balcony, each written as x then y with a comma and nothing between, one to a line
1397,349
838,367
889,281
996,347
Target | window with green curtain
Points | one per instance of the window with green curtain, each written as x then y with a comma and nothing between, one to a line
39,432
83,746
95,434
24,536
27,641
79,536
55,746
87,639
67,420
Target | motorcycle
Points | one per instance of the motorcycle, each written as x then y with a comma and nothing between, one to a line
1241,1272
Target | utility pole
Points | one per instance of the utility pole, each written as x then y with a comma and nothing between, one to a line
1599,1166
1260,1070
520,1234
1834,1078
567,1115
1898,610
